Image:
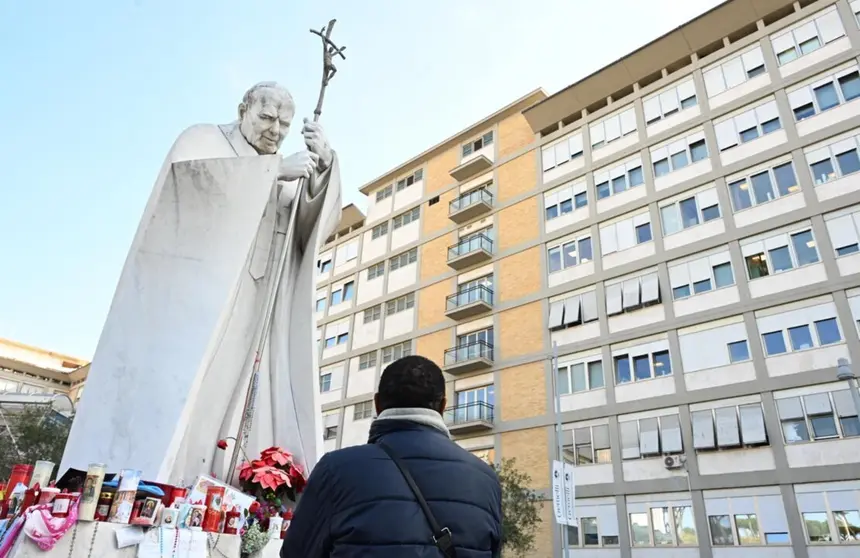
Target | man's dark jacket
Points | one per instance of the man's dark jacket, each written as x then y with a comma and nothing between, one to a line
357,503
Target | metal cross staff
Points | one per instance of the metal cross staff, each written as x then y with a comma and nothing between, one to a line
330,50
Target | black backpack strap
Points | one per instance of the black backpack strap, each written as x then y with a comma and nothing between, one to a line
441,535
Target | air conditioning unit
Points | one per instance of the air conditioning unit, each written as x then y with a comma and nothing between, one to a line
673,461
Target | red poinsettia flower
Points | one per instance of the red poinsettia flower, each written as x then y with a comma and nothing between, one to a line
298,478
276,456
271,478
222,444
246,470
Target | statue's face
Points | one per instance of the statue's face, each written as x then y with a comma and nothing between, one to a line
265,122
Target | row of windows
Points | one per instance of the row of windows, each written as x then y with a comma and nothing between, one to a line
815,32
400,185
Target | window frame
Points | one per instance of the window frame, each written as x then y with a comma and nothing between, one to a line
652,365
671,516
806,420
477,144
575,239
372,314
812,157
759,127
746,178
796,46
742,444
410,180
323,383
700,212
379,230
362,410
570,145
832,79
407,217
712,276
743,56
384,193
404,349
367,360
688,150
586,363
397,262
400,304
791,250
659,98
629,166
376,271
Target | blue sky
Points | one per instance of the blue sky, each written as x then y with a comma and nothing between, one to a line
93,93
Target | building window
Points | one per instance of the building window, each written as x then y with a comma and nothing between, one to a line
573,311
325,383
691,211
833,161
802,337
762,186
478,144
320,305
670,101
400,304
747,126
565,200
818,416
363,410
734,71
739,351
404,259
625,234
405,218
780,253
730,427
701,275
344,293
330,433
825,94
588,445
561,152
808,36
636,366
379,230
582,376
612,128
375,271
679,154
651,437
838,511
384,193
619,178
843,231
367,360
632,294
664,526
372,314
325,266
394,352
404,183
574,251
474,404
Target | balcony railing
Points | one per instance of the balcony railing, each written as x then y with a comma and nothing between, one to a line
469,199
468,352
469,413
477,243
466,297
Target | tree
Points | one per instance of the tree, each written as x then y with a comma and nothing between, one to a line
520,509
38,432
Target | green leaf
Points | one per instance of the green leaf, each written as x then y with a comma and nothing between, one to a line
520,509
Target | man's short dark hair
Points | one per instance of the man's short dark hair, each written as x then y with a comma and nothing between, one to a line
412,381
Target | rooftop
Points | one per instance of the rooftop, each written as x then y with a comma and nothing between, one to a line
698,36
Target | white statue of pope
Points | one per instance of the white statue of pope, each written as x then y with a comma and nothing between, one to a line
171,370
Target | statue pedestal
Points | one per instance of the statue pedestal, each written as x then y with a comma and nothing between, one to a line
191,544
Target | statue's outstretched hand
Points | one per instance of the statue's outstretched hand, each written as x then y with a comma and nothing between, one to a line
298,165
316,141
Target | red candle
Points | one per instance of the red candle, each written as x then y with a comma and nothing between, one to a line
20,474
212,519
231,526
287,517
62,503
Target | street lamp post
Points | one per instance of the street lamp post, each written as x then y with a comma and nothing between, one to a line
843,372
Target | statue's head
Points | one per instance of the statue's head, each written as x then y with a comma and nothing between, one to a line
265,115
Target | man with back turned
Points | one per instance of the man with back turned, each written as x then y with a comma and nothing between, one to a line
409,492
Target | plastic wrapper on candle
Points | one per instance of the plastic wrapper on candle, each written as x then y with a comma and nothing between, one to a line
103,508
42,472
92,492
123,501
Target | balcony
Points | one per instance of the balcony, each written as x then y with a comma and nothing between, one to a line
472,251
470,205
469,302
471,167
469,417
468,357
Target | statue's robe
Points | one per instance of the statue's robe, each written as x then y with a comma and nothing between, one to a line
170,373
